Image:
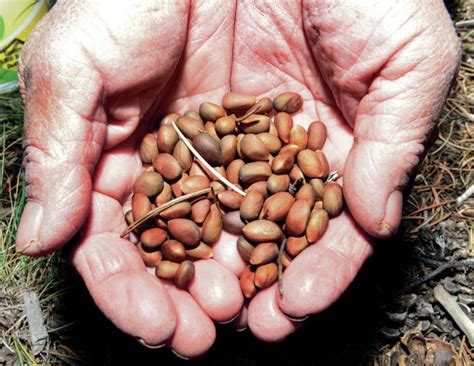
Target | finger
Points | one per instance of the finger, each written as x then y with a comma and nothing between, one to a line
117,171
225,252
195,332
216,290
81,97
389,76
266,320
321,273
116,277
241,322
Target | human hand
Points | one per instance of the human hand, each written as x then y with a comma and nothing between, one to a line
373,73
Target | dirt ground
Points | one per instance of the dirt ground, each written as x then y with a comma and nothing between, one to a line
392,295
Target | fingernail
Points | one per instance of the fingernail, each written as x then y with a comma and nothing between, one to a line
393,214
28,239
297,319
228,321
240,329
143,343
179,355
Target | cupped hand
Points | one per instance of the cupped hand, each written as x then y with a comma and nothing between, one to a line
95,74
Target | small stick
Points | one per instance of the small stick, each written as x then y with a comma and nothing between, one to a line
205,163
251,111
453,309
163,207
280,267
437,271
469,192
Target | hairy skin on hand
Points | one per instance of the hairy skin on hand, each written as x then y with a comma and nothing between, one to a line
94,74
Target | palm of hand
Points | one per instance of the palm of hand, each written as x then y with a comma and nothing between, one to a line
259,50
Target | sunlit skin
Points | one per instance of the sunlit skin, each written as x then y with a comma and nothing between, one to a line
95,75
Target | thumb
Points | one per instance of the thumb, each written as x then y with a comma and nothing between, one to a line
393,127
64,134
80,97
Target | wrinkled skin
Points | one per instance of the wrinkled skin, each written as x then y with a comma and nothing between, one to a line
95,73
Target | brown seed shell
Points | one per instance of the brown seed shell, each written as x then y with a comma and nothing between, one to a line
177,211
232,100
261,231
296,173
283,123
176,187
299,137
208,148
247,279
264,253
149,183
307,193
278,183
317,225
313,164
167,166
297,218
202,251
232,222
255,123
212,226
228,146
225,126
290,149
245,248
251,205
200,209
295,245
194,184
211,112
271,142
210,129
190,127
166,139
277,206
266,275
259,186
333,200
166,270
317,133
282,163
182,154
263,106
193,114
165,195
233,170
151,259
253,149
230,200
185,231
184,274
148,148
318,187
289,102
254,172
151,239
173,250
141,205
